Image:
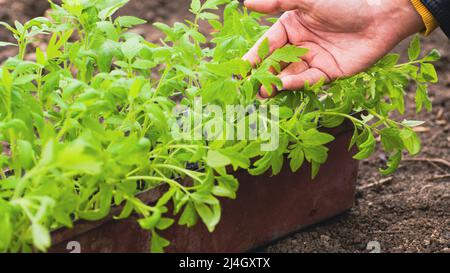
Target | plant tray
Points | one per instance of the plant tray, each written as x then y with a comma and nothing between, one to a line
266,209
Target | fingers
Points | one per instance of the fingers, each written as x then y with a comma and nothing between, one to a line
294,77
297,82
291,69
294,69
277,37
271,6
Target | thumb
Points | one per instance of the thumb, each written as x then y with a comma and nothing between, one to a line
273,6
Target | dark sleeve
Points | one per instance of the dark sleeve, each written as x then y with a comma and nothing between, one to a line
441,12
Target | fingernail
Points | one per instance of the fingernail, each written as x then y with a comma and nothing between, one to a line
263,95
260,94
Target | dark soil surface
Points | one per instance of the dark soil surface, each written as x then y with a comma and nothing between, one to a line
406,212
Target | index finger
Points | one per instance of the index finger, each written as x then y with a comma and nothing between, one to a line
277,38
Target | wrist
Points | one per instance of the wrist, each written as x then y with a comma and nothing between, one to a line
427,17
404,18
415,22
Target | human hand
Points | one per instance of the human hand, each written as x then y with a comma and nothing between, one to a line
344,37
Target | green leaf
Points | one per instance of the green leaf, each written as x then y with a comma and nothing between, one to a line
213,4
313,137
277,163
189,216
63,217
105,55
109,29
7,80
143,64
204,198
297,158
411,141
414,48
422,99
136,88
428,73
268,80
164,223
367,148
393,163
41,236
7,231
412,123
9,27
215,24
150,223
104,205
315,168
264,49
222,191
2,44
208,16
109,11
238,160
317,154
40,56
158,243
72,89
25,154
388,61
131,48
262,165
288,54
433,56
210,215
196,6
129,21
216,159
252,150
391,139
167,30
75,158
227,186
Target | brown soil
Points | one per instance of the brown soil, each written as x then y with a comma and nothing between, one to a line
20,10
407,212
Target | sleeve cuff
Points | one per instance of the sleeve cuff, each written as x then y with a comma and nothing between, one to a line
430,22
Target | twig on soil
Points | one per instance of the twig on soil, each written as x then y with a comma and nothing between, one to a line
421,129
435,136
429,160
440,113
437,166
378,183
390,232
438,177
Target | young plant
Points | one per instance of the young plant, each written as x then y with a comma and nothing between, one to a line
87,124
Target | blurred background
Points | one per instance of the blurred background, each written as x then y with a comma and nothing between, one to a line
406,212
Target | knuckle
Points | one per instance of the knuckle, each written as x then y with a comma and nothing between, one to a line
288,18
277,4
